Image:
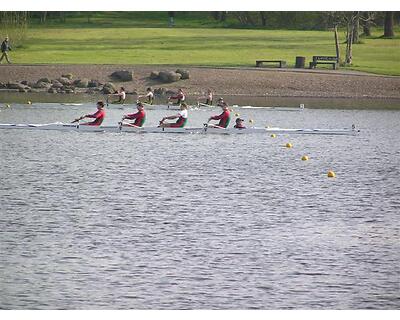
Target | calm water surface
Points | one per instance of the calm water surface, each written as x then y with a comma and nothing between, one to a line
169,221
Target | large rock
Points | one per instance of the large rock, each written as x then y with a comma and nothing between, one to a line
15,85
123,75
57,84
47,80
65,81
93,83
83,83
154,75
3,85
67,75
108,88
169,76
184,73
160,91
41,85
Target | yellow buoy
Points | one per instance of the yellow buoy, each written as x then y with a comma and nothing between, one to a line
237,114
304,158
273,135
8,106
251,120
29,102
331,174
289,145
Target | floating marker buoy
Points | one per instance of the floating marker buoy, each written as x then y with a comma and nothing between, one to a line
331,174
8,106
29,102
237,114
288,145
251,120
304,158
273,135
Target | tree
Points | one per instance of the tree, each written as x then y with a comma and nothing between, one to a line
263,18
14,24
388,25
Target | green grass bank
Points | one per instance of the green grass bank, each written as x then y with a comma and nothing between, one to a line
197,46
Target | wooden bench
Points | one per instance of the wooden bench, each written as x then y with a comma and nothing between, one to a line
282,63
324,60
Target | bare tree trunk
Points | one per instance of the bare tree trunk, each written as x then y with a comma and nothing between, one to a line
222,16
356,27
337,44
263,18
349,45
388,33
366,24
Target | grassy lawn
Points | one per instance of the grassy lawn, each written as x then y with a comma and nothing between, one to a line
197,46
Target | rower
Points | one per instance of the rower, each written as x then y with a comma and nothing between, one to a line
181,116
139,117
98,115
121,95
239,124
149,95
208,96
220,102
224,118
179,97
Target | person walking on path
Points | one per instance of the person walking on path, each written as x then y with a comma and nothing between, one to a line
5,46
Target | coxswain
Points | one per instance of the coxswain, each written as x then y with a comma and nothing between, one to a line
182,117
121,95
208,96
149,95
239,124
139,117
98,116
179,97
224,118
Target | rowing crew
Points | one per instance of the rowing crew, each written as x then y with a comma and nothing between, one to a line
181,117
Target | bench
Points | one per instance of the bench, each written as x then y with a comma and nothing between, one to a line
324,60
282,63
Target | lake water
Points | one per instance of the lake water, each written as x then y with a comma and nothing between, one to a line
172,221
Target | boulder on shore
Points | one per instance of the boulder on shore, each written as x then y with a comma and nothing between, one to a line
122,75
154,75
82,83
169,76
109,88
47,80
160,91
67,75
93,83
41,85
15,85
184,73
65,81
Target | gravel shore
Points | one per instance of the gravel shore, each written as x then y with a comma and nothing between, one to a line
274,82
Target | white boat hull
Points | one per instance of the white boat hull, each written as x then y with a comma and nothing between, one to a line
204,130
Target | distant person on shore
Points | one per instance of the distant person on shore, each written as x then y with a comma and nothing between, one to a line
5,47
182,117
139,117
98,116
121,94
149,95
179,97
224,118
208,97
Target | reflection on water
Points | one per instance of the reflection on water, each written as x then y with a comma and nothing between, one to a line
166,221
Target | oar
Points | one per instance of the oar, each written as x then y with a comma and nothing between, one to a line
78,119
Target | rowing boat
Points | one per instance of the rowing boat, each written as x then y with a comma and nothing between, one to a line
205,129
